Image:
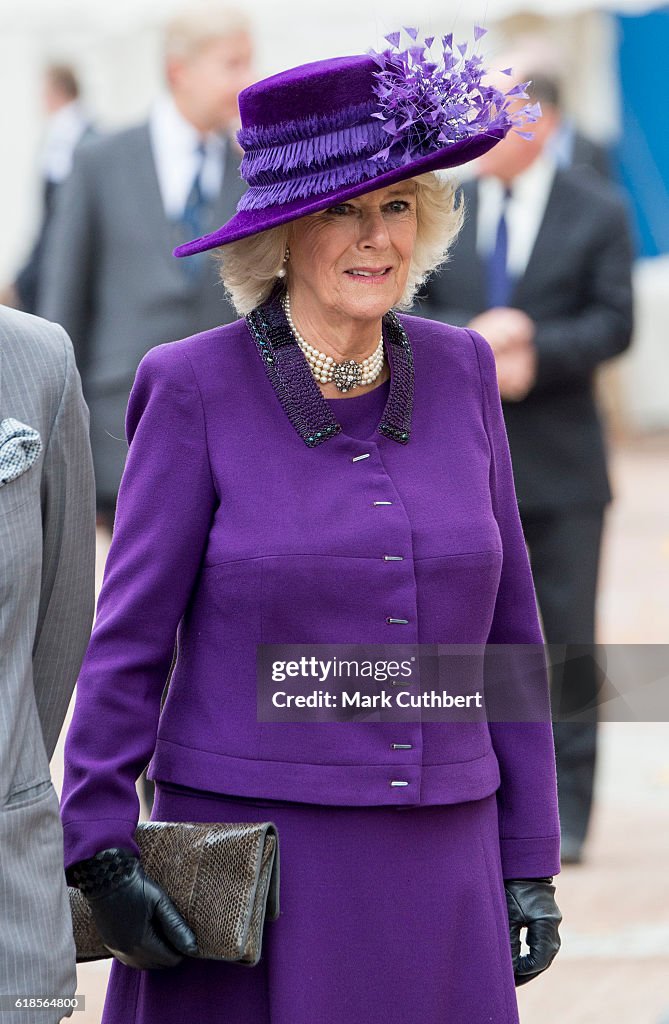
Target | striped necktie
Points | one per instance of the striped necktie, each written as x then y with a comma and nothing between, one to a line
193,216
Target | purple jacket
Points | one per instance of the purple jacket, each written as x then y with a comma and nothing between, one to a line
246,515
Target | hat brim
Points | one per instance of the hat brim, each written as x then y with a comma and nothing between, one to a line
251,222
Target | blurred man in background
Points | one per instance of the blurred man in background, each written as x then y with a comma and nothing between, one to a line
68,126
140,192
542,269
569,146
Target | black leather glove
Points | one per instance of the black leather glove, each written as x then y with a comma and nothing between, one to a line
531,904
136,919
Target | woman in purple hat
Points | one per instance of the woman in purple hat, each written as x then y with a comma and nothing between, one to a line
324,471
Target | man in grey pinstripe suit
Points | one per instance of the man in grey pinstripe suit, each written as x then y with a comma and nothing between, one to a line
47,562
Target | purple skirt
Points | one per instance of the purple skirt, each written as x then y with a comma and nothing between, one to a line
387,914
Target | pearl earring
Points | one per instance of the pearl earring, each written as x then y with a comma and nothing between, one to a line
286,257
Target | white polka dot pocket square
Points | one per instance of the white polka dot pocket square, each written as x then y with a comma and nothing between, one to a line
20,446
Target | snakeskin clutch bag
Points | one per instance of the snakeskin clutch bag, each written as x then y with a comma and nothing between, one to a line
223,879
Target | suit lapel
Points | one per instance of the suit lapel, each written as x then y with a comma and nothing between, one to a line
166,233
467,246
148,187
552,224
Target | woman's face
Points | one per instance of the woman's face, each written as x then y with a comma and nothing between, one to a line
353,259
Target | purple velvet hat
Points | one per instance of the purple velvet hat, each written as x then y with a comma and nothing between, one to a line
325,132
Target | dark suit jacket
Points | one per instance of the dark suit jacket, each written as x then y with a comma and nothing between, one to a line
577,289
588,153
27,279
110,279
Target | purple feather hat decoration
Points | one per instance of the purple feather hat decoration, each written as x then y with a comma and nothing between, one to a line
426,104
322,133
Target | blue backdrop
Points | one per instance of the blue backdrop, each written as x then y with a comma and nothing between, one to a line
642,155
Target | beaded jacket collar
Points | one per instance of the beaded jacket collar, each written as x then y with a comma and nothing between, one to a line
290,375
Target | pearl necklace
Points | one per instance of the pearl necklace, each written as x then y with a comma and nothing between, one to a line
346,375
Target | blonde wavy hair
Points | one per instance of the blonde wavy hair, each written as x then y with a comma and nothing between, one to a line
249,268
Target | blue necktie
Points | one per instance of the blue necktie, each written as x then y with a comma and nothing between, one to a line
498,280
193,216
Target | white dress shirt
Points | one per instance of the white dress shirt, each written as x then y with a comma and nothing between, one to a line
524,212
174,142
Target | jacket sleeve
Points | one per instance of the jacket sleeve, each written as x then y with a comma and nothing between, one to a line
67,594
571,347
165,505
527,795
